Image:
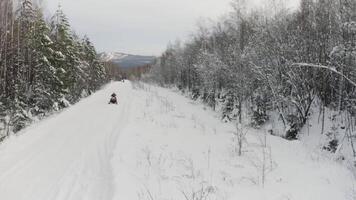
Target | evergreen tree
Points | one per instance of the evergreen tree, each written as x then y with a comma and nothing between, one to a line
41,65
46,90
96,71
67,58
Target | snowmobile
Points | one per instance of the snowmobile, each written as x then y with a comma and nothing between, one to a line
113,99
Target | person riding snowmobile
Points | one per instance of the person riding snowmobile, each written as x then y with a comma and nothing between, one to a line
113,99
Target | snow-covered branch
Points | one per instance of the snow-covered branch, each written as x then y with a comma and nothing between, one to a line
329,68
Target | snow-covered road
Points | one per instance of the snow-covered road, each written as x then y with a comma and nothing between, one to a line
158,145
66,157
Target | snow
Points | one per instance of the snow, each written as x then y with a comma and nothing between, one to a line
66,156
112,56
334,129
157,144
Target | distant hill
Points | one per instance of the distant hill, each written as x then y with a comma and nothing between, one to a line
127,60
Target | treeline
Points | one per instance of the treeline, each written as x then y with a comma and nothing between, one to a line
136,72
44,66
117,73
261,62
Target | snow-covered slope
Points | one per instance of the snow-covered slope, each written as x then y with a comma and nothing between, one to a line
112,56
156,145
127,60
66,157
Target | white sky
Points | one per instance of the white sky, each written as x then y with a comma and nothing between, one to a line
138,26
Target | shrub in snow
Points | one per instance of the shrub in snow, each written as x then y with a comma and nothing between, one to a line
195,93
332,146
292,128
260,105
19,121
228,101
258,119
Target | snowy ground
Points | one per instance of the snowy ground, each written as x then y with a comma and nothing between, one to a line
158,145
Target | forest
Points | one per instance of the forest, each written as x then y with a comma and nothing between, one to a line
272,61
44,65
118,73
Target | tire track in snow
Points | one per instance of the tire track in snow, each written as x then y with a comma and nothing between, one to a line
67,156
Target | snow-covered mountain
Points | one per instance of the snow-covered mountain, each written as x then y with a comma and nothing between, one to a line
112,56
127,60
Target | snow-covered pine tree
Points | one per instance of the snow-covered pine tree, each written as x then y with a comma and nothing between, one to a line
67,58
96,71
46,87
22,67
41,66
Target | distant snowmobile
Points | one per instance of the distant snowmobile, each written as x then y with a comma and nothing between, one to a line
113,99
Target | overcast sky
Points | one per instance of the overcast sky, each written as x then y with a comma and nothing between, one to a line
137,26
